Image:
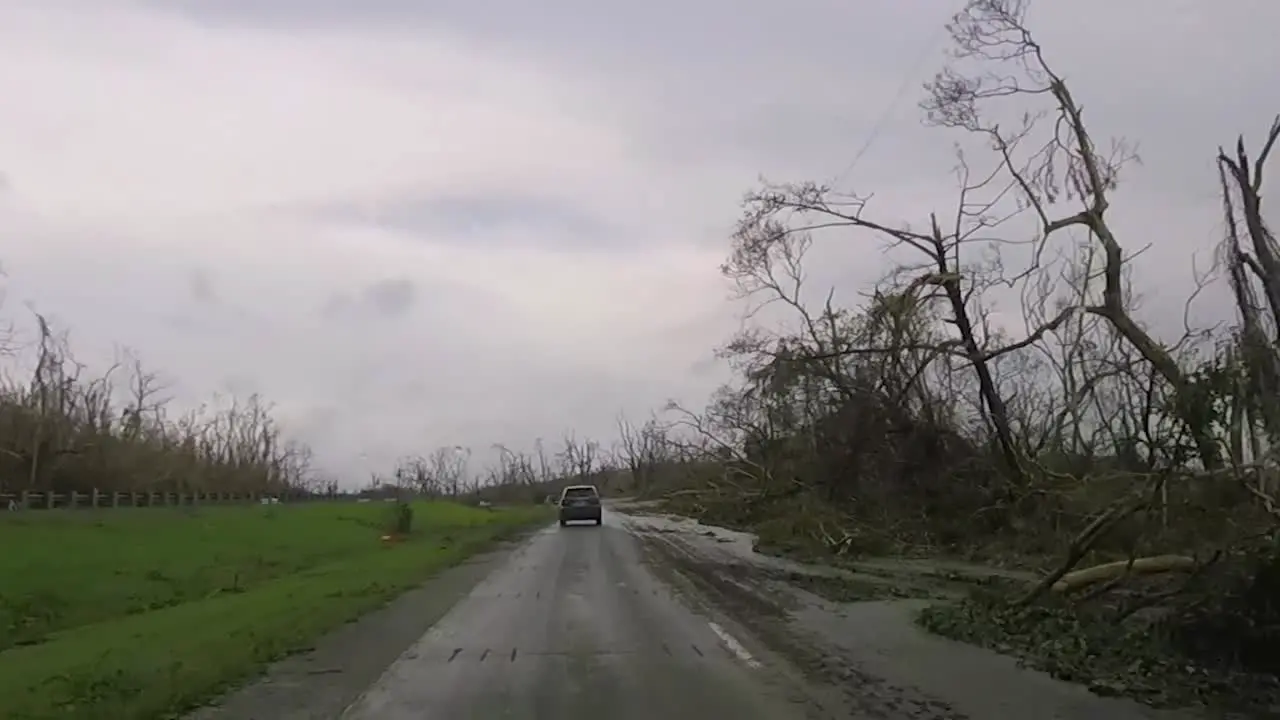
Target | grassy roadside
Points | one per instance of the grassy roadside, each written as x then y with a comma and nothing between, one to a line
214,623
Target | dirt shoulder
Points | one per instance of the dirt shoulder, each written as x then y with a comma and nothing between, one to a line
321,683
855,629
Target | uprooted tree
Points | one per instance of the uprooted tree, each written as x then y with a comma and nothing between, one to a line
923,416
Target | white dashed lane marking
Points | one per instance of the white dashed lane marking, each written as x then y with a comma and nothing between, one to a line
734,646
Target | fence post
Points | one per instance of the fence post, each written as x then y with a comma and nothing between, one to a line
151,499
95,498
115,499
72,500
49,500
25,499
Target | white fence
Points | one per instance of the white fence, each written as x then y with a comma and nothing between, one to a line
108,500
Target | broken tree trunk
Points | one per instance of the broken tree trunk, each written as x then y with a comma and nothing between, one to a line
1109,571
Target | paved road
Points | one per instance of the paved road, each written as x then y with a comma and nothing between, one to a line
579,623
574,625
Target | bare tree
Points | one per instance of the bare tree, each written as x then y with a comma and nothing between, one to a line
448,465
643,450
1063,164
1253,360
64,430
580,459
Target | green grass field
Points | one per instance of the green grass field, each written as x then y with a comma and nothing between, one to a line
140,614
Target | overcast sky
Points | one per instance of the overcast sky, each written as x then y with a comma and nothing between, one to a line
465,222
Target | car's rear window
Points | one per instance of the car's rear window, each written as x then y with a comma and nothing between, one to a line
574,493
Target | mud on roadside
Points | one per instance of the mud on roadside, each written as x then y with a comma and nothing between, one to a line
837,580
853,628
762,599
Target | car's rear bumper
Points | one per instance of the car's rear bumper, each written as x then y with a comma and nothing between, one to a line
585,512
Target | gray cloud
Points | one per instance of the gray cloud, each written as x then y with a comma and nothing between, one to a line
443,304
202,286
391,299
486,219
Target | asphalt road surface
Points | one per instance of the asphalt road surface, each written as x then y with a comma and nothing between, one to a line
649,618
575,625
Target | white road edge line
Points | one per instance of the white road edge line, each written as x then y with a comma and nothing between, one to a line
734,646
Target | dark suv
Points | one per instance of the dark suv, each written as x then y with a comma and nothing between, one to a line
579,502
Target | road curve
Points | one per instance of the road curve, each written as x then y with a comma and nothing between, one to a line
573,625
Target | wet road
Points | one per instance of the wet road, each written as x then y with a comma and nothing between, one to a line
580,623
575,625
